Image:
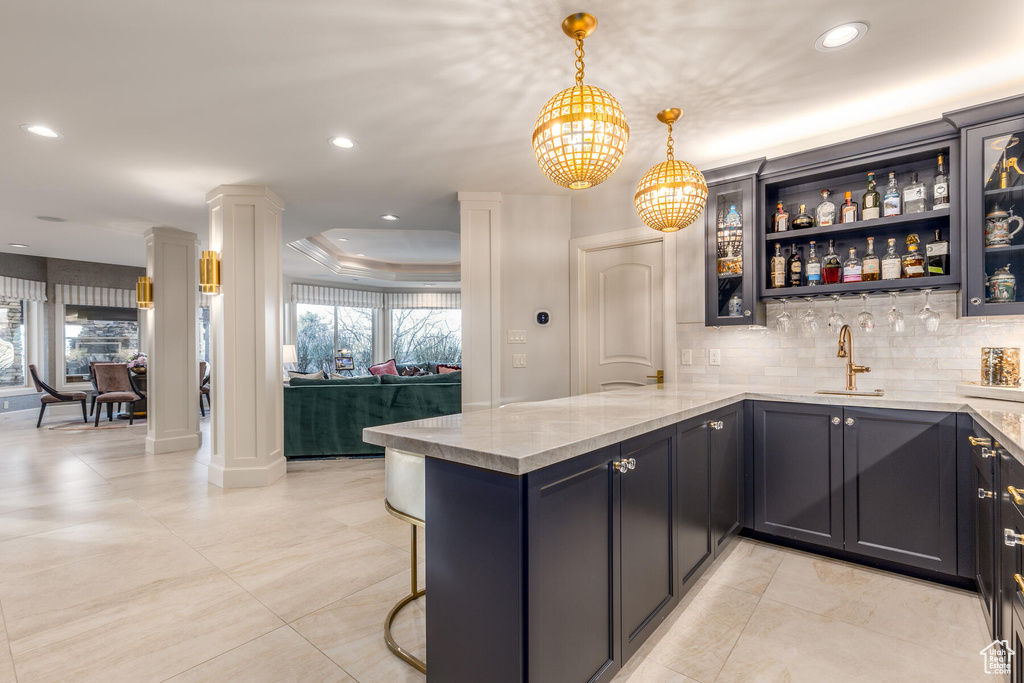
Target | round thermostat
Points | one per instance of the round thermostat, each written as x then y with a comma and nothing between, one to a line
542,317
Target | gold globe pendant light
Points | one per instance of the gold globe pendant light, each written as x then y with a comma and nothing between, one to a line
581,133
672,194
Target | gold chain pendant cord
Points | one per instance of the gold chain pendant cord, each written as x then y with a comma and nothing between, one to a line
579,58
671,153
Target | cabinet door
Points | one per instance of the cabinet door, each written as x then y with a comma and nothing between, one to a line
724,443
1009,537
900,486
731,272
694,518
573,537
993,219
647,536
798,472
986,503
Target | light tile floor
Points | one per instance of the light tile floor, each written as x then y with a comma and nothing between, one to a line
121,566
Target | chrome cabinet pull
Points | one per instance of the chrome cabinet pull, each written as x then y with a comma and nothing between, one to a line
982,493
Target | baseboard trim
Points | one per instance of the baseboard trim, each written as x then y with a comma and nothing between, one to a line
173,444
247,477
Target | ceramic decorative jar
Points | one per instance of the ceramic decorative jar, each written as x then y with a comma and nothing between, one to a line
1002,286
997,227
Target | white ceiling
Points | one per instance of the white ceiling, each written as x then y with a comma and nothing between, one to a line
159,102
398,246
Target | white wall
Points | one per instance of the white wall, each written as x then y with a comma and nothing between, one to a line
535,233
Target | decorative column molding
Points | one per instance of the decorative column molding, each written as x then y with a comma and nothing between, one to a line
169,339
480,222
245,322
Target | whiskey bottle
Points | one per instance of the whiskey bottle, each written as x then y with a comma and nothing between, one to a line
915,196
795,268
892,265
872,265
778,269
891,200
813,267
803,219
937,252
848,212
940,189
831,267
780,219
853,267
825,214
913,260
871,201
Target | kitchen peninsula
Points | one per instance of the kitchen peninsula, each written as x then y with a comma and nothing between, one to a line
563,532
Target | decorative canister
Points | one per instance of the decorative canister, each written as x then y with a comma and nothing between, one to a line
735,306
1000,367
1002,286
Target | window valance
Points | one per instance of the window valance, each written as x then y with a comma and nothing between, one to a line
335,296
80,295
16,288
423,300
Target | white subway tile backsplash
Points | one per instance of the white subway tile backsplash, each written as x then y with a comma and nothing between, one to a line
931,361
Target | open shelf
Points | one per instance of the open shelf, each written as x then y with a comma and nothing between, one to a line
871,225
731,276
878,287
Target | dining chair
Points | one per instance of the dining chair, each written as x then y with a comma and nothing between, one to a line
114,385
51,395
204,386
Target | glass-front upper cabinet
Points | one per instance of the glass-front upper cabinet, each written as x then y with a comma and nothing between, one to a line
994,219
731,282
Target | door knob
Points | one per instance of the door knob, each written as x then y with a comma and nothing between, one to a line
982,493
660,377
1011,539
849,422
836,420
1017,494
625,465
718,425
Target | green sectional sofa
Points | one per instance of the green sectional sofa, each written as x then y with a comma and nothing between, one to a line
325,417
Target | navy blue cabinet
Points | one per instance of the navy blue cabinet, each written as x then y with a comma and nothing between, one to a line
694,549
725,439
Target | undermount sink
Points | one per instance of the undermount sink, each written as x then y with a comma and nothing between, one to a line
844,392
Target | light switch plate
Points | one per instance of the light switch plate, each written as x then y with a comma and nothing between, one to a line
714,357
517,336
519,360
685,357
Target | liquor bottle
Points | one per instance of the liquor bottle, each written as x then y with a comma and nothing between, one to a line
938,255
780,219
892,265
831,267
778,269
848,212
913,260
813,267
891,200
825,214
915,196
872,265
940,189
871,201
803,219
795,268
852,267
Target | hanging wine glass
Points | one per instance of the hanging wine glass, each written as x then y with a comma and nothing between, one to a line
865,320
785,320
929,317
810,319
835,318
895,318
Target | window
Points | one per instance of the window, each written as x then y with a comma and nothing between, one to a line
314,343
355,332
13,367
426,335
97,333
203,333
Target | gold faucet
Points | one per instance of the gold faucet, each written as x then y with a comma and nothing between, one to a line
846,351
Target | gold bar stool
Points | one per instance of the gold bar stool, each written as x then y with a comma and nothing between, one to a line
405,498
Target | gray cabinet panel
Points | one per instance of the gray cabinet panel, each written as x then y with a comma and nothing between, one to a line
725,441
694,517
900,486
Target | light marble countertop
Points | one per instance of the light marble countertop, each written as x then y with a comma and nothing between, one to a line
521,438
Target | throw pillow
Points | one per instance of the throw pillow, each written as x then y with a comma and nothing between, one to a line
452,378
387,368
312,375
445,369
411,371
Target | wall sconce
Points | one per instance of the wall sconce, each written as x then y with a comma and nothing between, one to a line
209,273
144,292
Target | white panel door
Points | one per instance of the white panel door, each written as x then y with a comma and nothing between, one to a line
623,316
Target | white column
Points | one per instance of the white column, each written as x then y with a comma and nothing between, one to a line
480,223
169,339
245,321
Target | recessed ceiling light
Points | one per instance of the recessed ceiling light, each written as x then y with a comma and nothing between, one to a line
52,219
17,245
343,239
841,36
40,130
389,217
360,254
344,143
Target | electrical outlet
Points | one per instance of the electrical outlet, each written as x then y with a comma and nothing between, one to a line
519,360
6,404
685,357
517,336
714,357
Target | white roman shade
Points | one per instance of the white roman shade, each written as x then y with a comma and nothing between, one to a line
16,288
335,296
80,295
423,300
